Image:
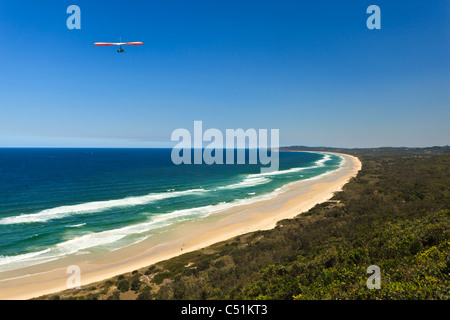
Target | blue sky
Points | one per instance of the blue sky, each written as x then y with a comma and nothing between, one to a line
311,69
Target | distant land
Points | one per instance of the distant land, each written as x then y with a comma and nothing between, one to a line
381,150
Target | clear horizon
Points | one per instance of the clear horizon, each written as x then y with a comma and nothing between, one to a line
287,146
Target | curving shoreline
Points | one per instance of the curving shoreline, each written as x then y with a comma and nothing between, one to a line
299,197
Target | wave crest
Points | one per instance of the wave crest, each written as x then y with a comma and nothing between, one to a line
90,207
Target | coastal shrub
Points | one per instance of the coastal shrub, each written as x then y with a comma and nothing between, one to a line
135,284
146,288
203,265
150,270
92,296
144,296
123,285
104,291
114,296
159,278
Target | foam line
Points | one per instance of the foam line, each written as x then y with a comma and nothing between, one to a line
90,207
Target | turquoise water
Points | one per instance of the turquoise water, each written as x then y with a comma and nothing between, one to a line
60,202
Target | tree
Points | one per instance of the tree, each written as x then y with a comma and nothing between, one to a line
123,286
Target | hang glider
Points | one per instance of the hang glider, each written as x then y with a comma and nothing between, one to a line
120,44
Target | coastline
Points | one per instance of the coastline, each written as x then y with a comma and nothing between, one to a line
298,197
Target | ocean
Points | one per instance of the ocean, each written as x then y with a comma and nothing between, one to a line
55,203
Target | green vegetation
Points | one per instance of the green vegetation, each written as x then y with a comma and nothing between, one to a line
123,285
395,214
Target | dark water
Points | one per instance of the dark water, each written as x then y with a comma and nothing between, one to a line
57,202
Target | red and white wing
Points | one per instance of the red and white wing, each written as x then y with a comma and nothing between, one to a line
107,44
118,43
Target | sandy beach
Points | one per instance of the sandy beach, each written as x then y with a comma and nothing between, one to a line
297,198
